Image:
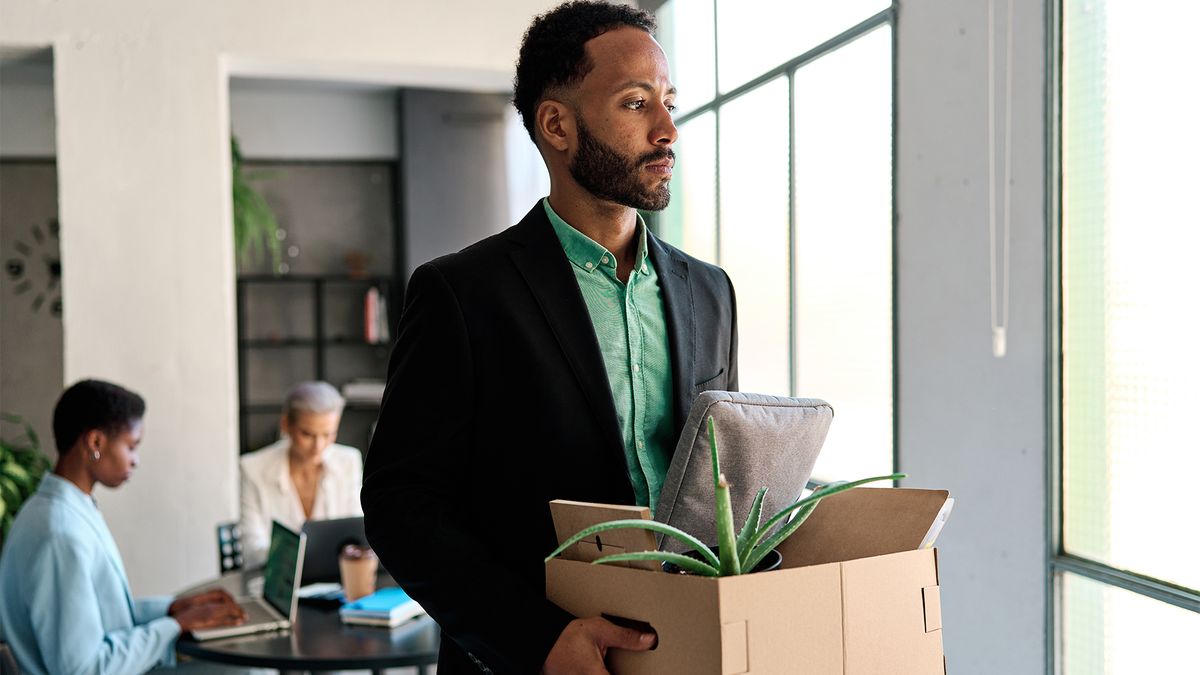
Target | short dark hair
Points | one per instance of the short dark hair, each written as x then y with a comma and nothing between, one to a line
552,52
94,404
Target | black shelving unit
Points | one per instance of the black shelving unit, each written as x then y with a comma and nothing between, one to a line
313,292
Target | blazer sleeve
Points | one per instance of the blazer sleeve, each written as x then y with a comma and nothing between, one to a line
66,619
148,609
732,381
418,521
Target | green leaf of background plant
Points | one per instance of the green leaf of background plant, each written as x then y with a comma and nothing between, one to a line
19,475
9,492
677,559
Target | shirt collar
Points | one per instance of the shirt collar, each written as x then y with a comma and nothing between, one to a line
588,255
55,486
283,476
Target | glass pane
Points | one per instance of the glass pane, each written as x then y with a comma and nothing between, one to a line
755,36
685,31
754,231
843,251
1130,362
1111,631
690,222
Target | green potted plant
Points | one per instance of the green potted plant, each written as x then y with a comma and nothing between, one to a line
736,552
22,465
255,229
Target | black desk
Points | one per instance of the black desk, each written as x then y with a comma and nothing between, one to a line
320,641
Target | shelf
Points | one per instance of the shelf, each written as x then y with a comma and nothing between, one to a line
291,343
312,278
261,343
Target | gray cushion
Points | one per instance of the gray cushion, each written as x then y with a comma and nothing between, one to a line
770,441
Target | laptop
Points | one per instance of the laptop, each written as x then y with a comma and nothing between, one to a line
281,578
325,541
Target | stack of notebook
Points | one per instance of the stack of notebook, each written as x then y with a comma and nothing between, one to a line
384,607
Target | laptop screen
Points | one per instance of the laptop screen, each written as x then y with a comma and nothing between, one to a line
279,576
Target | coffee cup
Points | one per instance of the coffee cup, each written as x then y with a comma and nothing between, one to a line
358,565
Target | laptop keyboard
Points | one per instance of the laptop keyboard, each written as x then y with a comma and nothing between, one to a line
257,612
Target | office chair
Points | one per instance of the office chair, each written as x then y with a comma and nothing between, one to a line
8,662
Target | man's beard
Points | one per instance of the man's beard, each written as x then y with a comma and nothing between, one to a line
609,175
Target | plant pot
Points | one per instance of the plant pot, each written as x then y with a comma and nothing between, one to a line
769,562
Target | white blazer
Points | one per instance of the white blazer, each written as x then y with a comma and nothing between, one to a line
268,493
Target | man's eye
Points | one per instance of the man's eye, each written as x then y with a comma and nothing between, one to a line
636,105
671,107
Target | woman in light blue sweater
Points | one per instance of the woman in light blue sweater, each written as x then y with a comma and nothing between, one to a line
65,605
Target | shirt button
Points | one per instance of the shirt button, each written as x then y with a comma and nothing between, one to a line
644,269
640,445
604,260
588,265
636,368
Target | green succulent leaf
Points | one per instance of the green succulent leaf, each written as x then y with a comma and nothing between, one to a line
750,529
652,525
731,564
757,553
677,559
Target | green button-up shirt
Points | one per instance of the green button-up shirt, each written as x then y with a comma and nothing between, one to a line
631,327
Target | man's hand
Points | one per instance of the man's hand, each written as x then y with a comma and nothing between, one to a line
208,609
583,644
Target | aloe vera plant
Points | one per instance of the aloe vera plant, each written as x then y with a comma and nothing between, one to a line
737,551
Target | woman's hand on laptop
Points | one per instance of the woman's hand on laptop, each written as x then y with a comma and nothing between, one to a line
210,609
214,596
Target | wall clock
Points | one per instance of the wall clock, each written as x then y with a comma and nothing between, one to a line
36,269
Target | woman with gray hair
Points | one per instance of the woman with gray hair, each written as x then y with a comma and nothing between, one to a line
304,475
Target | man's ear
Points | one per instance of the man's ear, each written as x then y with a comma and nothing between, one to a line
555,123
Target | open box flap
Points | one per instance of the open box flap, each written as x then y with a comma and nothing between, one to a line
571,517
866,522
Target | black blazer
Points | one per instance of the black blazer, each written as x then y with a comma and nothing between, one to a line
497,402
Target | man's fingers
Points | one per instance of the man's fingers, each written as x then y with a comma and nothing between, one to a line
609,634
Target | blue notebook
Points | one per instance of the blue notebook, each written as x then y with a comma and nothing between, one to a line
385,607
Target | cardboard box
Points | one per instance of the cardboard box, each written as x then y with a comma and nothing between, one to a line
853,596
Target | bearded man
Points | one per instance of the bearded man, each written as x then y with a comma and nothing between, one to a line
555,360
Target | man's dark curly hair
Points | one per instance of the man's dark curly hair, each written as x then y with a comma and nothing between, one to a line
552,50
94,404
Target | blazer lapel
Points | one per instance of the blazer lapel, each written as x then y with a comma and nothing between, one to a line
681,323
546,270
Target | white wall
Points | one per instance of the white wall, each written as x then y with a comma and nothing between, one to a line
291,119
142,103
969,422
26,108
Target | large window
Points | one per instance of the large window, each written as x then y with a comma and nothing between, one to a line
1129,544
784,178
